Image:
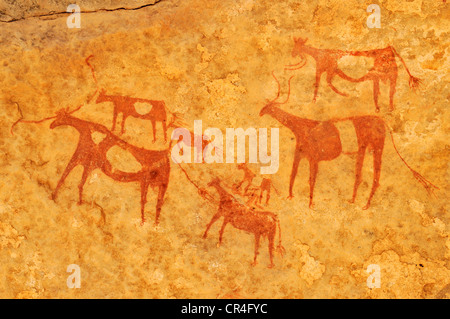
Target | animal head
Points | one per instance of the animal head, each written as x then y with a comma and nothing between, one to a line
176,121
272,103
215,181
299,44
61,118
101,96
267,108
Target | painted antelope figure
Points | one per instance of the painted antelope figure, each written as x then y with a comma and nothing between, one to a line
320,141
384,68
126,106
259,223
248,177
155,164
266,186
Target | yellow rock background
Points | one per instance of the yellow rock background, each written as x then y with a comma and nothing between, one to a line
212,60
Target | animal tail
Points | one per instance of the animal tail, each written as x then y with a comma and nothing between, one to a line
280,247
414,82
422,180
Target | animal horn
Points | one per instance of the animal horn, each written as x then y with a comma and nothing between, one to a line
299,65
279,87
289,90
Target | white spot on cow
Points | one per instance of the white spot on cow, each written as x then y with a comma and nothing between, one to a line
355,66
347,133
143,108
97,137
122,160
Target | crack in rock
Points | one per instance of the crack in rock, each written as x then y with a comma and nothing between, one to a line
5,18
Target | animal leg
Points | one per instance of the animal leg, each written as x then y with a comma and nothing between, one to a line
271,245
376,92
359,165
124,119
160,202
144,191
377,153
316,84
248,186
313,168
257,238
297,157
330,84
213,220
86,171
164,130
154,131
114,120
73,162
222,229
346,77
393,84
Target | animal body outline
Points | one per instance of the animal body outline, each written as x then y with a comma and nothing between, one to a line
320,141
248,177
384,69
266,186
125,105
260,223
155,163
